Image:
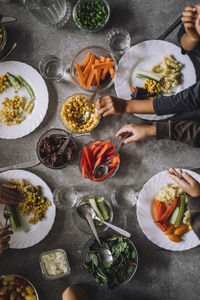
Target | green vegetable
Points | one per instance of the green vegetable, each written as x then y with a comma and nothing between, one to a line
115,272
148,74
94,206
103,209
174,215
27,87
13,80
91,14
15,220
181,210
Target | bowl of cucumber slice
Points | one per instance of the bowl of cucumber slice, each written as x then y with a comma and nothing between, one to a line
102,208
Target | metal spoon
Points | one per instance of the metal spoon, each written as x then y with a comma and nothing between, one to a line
6,214
104,253
84,119
102,169
9,52
86,209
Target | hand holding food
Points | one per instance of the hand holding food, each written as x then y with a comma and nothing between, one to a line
4,238
110,105
185,181
136,132
9,194
189,17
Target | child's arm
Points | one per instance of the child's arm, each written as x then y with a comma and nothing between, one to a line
190,38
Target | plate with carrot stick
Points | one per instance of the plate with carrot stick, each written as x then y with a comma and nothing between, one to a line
93,67
163,214
96,153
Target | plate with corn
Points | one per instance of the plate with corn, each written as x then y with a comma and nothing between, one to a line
23,99
34,216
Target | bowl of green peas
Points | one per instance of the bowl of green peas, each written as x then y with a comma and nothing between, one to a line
91,15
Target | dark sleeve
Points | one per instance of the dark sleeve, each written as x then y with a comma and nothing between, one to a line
187,132
186,100
194,208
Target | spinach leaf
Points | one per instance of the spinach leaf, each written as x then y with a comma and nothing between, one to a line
94,259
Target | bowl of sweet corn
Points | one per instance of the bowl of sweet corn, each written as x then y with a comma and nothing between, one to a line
73,108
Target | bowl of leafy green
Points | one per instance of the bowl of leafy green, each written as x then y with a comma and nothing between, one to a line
120,270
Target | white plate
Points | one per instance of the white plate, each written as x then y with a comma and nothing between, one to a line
144,56
145,216
36,232
35,80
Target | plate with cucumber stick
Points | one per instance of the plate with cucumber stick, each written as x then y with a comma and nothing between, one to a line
30,223
174,71
23,99
174,216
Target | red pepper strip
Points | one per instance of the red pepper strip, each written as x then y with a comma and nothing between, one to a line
161,208
104,177
94,144
98,162
163,227
168,212
83,171
104,150
105,142
89,157
115,160
96,150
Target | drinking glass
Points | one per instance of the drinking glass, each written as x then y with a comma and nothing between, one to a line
65,197
124,197
52,68
118,40
49,12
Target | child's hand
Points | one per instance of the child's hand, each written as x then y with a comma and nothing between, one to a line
9,194
189,17
136,132
108,105
185,181
4,238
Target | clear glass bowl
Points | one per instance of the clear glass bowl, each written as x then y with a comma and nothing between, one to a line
24,280
80,166
85,257
66,125
78,59
85,28
82,224
55,252
3,40
48,133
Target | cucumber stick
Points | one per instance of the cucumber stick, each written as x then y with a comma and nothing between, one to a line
174,215
27,87
94,206
181,210
148,74
15,220
13,80
103,209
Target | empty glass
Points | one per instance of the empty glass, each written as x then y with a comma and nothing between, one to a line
52,68
49,12
124,197
119,40
65,197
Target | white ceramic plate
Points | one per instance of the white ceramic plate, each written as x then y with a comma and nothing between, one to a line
32,77
33,233
145,216
144,56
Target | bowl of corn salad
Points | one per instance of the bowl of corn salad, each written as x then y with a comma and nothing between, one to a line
73,108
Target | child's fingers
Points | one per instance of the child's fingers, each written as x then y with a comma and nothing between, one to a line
130,139
180,181
122,131
173,171
189,20
190,8
188,178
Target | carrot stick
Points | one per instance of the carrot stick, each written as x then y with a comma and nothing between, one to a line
104,177
133,89
86,60
89,65
90,78
112,72
105,71
97,72
168,212
103,65
80,75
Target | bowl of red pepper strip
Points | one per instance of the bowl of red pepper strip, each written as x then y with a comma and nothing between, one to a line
96,153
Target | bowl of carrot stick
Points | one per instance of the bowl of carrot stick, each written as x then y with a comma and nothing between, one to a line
93,67
96,153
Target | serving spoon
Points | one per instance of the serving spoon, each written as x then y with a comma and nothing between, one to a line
104,253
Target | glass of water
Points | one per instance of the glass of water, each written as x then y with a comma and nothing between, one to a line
118,40
52,68
65,197
124,197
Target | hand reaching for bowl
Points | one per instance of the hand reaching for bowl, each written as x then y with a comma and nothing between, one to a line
4,238
185,181
136,132
189,17
109,105
9,194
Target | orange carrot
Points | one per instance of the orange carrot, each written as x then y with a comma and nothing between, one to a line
90,78
103,65
86,60
170,208
174,238
112,72
89,65
133,89
105,71
97,72
80,75
104,177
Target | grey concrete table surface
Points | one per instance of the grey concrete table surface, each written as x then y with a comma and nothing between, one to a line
161,274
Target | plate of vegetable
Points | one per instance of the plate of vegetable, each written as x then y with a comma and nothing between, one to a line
34,216
163,214
135,69
17,287
102,208
116,273
23,99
